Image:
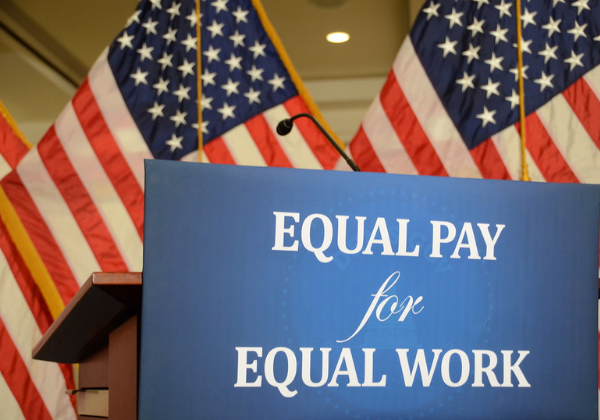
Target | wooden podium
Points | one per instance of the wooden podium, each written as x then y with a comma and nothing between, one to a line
99,329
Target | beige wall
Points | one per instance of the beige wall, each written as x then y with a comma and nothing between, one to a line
414,6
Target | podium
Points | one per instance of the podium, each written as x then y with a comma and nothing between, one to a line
370,296
99,329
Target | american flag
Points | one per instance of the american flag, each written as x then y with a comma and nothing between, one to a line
450,103
247,86
74,203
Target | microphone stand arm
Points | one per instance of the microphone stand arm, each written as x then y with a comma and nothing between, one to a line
334,143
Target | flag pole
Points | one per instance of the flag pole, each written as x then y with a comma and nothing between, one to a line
199,82
287,62
524,169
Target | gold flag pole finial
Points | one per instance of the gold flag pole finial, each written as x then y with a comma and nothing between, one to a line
524,169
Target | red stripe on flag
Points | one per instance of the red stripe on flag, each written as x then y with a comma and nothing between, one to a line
363,153
586,106
109,154
31,293
80,204
17,378
320,146
266,142
544,152
409,130
41,236
489,162
12,149
217,152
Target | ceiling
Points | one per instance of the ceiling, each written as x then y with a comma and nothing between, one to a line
46,49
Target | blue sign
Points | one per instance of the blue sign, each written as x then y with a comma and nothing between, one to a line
274,293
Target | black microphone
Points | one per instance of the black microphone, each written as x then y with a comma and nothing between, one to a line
285,126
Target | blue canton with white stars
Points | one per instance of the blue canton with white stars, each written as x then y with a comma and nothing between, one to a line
469,51
154,63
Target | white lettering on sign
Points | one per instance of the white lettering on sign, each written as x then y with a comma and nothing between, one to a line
386,306
421,372
465,240
334,237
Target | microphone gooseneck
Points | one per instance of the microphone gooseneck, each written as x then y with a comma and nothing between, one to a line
285,126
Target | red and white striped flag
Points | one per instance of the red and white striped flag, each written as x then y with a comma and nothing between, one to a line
74,203
28,388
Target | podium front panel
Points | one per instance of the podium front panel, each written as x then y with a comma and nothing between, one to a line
281,293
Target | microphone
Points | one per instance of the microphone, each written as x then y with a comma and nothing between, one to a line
285,126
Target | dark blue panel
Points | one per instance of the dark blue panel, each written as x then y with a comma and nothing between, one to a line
503,321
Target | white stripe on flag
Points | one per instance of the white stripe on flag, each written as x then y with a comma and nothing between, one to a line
385,142
341,164
117,117
294,145
57,216
508,145
92,174
10,407
241,145
24,331
571,138
430,112
535,174
4,167
592,78
205,158
192,157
